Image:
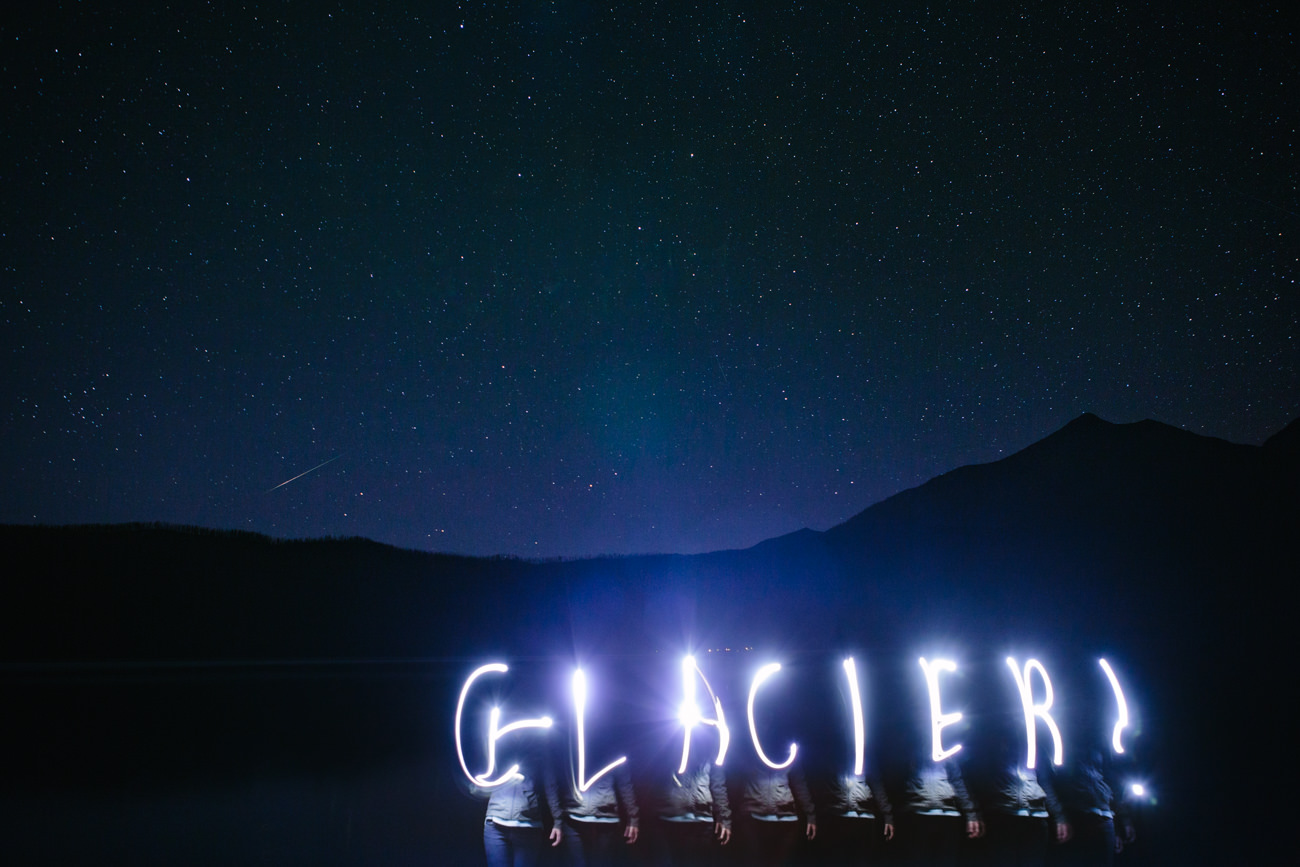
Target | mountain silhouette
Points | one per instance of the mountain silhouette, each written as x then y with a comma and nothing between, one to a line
1171,551
1126,514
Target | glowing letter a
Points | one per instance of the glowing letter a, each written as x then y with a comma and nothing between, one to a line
690,714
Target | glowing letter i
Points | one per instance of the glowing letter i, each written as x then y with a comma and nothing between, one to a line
859,728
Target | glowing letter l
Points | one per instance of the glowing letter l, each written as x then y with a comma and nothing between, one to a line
580,710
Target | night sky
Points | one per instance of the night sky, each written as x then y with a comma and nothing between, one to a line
563,279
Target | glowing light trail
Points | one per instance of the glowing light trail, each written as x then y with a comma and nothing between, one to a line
580,710
495,732
1036,711
689,714
859,728
938,719
1122,722
300,475
763,674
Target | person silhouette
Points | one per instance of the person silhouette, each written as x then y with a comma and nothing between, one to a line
523,813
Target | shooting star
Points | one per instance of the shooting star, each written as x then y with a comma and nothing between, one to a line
300,475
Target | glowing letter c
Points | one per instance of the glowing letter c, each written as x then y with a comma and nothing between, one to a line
763,674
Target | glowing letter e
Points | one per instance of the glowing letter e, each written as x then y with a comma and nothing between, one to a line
1036,711
495,732
580,711
938,719
763,674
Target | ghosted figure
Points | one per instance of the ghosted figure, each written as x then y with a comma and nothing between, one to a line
1099,829
777,808
1025,813
601,820
522,813
693,816
938,814
857,820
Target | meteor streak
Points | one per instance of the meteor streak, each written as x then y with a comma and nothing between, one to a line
300,475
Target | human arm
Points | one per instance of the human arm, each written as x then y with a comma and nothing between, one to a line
627,802
803,800
718,794
883,809
965,803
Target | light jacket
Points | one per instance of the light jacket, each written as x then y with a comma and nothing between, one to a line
937,789
860,796
698,795
609,799
781,795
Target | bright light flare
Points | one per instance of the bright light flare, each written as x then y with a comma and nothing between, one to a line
1036,711
580,710
859,727
495,731
1121,721
689,714
763,674
1138,789
938,719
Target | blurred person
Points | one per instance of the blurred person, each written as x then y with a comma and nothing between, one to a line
692,816
858,819
1025,814
778,809
523,814
1100,831
601,820
939,813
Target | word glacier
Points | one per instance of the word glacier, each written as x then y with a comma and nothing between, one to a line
1037,710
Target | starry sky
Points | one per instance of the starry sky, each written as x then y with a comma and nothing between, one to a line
562,278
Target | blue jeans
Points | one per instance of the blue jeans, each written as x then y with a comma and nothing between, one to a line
591,844
512,847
